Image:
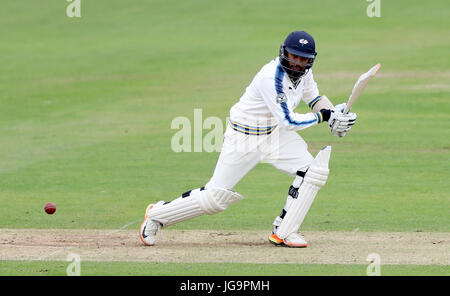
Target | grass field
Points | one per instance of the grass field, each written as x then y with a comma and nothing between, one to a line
87,104
17,268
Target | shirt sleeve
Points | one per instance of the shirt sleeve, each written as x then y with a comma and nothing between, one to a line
277,104
310,90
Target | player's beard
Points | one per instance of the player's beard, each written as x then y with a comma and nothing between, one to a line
295,75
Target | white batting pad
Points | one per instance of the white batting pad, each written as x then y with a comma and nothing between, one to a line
193,203
315,178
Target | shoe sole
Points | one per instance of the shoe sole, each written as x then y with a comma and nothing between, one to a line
274,239
143,223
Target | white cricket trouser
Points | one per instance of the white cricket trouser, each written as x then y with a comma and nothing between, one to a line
240,153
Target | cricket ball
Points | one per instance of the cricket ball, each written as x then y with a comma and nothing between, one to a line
50,208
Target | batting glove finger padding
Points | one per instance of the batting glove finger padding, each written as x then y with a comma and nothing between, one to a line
340,107
339,121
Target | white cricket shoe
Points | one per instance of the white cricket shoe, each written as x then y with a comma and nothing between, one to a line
149,228
293,240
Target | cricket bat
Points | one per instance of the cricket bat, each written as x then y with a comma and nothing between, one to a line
360,85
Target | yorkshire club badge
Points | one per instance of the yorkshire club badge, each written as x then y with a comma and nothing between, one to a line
303,41
281,97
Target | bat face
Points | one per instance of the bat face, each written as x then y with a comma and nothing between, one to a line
360,85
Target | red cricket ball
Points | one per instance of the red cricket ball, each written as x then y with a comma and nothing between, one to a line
50,208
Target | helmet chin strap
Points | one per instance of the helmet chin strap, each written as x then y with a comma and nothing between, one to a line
296,80
295,76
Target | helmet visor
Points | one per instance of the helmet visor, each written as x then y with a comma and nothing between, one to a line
300,53
294,63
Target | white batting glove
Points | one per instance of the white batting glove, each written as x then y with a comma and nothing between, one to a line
339,122
340,107
342,127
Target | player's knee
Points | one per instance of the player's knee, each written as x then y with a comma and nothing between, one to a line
317,175
214,200
216,183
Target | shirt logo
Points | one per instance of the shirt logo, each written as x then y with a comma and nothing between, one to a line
281,97
303,41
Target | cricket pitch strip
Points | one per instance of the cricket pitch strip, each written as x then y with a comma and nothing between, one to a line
222,246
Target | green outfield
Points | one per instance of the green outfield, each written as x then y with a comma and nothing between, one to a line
45,268
87,104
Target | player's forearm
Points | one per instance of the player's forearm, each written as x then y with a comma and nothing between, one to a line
319,103
297,121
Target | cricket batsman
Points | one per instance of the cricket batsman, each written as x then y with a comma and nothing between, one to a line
262,128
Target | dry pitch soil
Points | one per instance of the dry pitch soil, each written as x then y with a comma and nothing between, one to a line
189,246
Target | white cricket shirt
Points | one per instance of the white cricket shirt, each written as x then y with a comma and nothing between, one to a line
271,98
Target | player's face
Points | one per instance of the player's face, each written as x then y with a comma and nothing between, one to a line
297,63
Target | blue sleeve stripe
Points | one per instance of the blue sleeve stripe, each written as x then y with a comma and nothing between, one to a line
279,75
285,109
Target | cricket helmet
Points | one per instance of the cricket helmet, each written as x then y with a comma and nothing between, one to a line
298,43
